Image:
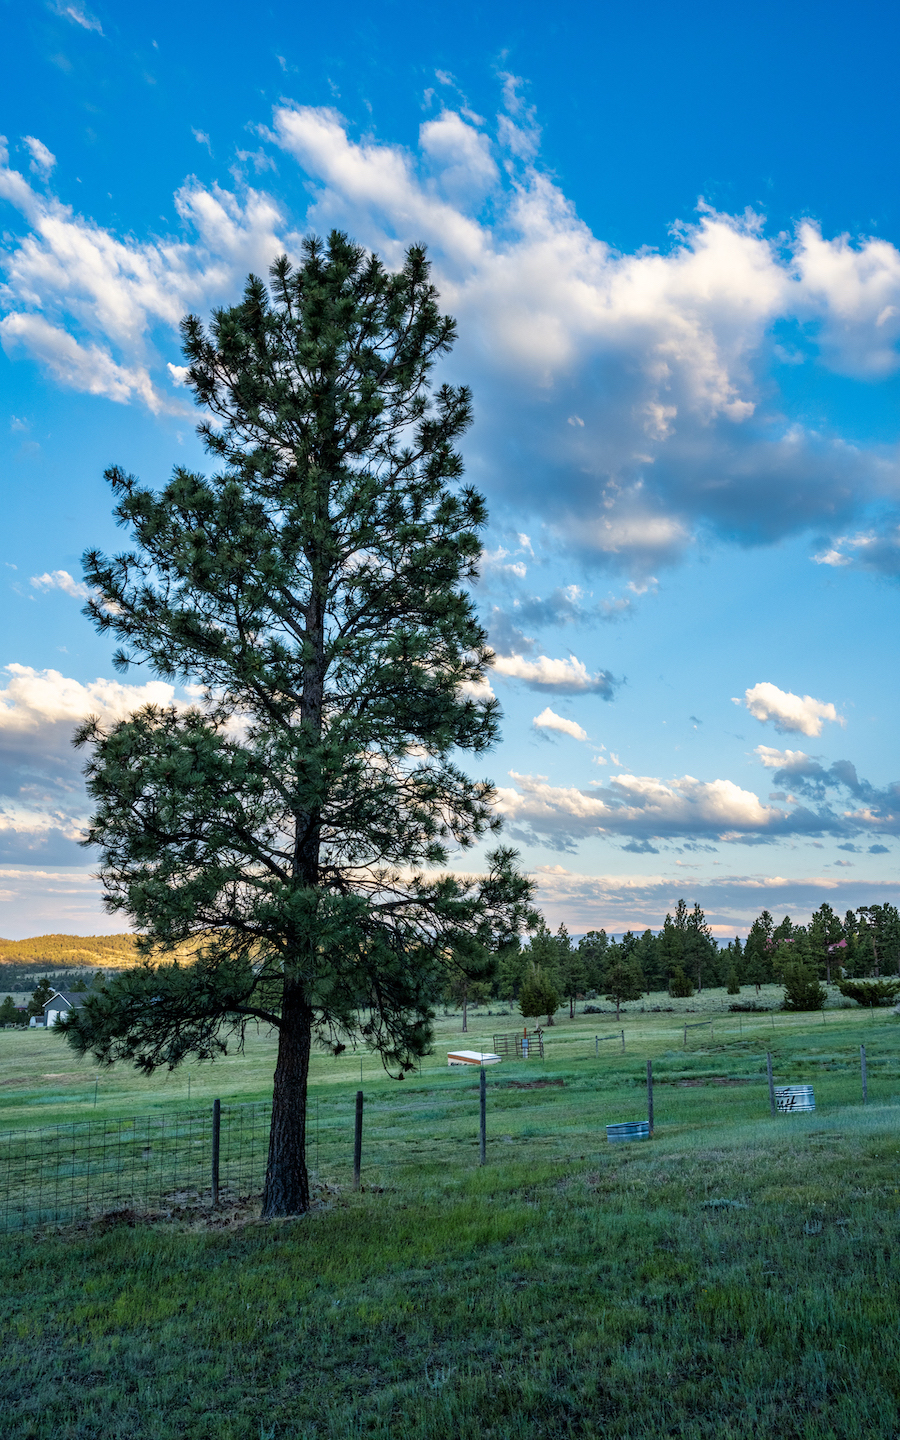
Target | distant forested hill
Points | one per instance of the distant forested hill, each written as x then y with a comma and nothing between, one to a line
70,952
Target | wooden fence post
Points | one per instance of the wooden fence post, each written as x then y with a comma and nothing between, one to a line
357,1140
865,1078
623,1039
650,1094
772,1105
482,1107
216,1134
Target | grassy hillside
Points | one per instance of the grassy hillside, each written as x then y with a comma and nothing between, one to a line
734,1278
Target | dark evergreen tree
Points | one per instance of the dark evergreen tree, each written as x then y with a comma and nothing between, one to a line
42,992
623,982
538,995
9,1015
570,968
802,990
670,950
594,951
293,824
646,956
825,936
700,949
880,925
758,951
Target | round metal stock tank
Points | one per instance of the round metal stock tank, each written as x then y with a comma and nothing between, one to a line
634,1130
794,1099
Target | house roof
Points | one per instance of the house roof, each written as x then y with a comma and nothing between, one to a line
70,1002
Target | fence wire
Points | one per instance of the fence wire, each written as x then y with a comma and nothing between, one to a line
64,1173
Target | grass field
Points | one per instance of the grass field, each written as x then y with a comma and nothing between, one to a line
735,1277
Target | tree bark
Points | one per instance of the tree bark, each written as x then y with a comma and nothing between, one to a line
287,1182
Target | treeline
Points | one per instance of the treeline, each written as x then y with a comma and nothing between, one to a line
683,958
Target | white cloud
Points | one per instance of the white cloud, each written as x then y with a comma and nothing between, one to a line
84,303
566,676
660,358
62,580
789,713
43,805
638,805
35,698
77,15
79,367
548,720
42,160
477,690
774,759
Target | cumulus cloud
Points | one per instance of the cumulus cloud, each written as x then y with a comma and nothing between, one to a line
875,809
789,713
649,408
549,720
816,802
61,580
661,361
85,304
638,805
566,677
789,761
42,799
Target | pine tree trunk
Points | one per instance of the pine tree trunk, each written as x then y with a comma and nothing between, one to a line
287,1182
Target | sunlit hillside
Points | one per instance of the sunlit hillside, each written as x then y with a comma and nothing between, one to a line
97,952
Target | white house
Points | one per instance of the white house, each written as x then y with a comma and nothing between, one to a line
59,1006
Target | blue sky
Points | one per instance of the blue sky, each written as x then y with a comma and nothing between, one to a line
671,238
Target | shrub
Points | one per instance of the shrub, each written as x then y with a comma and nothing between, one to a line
870,992
802,990
734,984
680,984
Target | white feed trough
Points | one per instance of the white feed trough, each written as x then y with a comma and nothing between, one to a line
472,1057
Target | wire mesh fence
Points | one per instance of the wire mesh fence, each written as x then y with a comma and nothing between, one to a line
68,1172
163,1161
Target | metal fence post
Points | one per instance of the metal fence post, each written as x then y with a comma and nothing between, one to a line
865,1078
216,1135
650,1094
482,1109
623,1039
357,1140
772,1104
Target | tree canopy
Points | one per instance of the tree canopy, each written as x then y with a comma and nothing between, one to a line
297,821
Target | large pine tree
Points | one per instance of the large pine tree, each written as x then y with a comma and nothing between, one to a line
294,822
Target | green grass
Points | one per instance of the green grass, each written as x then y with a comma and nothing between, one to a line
735,1277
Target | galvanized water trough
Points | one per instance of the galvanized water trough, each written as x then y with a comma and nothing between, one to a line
632,1130
794,1099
